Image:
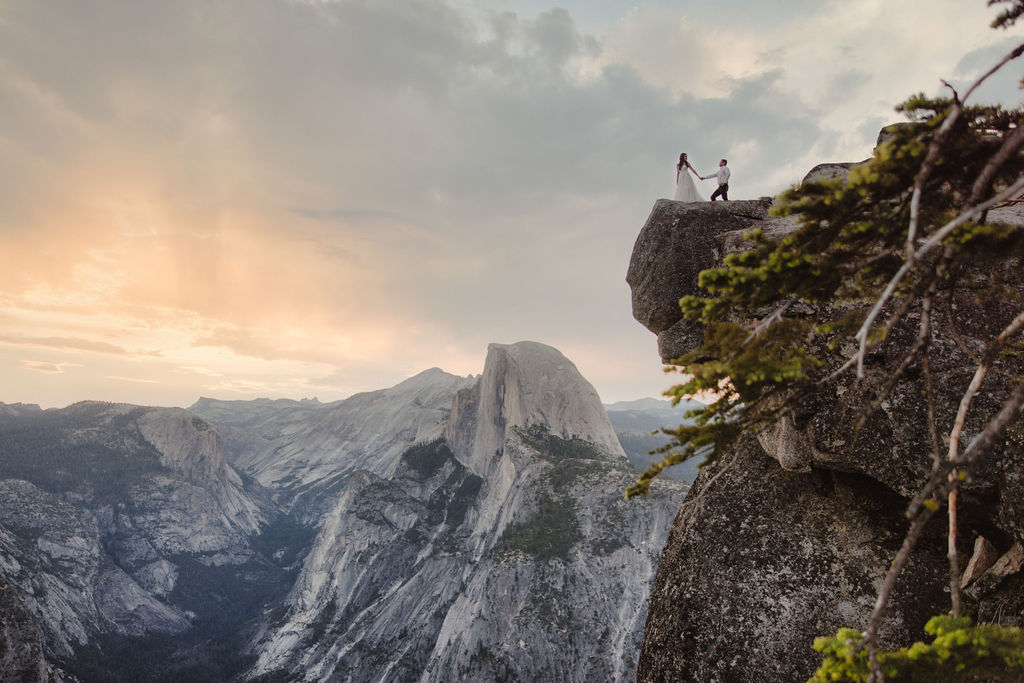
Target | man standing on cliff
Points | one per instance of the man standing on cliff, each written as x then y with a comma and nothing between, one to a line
722,174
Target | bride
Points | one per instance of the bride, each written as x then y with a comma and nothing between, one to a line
686,191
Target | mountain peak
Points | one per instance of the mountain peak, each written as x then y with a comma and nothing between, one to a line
522,385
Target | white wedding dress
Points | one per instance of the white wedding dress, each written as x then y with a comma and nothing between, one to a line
686,191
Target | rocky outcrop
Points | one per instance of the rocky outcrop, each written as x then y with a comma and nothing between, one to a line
812,507
191,447
53,559
761,561
447,528
679,240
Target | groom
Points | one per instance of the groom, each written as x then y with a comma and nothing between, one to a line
722,174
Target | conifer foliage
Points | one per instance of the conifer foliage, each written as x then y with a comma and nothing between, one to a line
881,250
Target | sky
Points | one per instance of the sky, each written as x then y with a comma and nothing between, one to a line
249,198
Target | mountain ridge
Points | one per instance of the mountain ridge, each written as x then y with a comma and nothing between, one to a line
338,529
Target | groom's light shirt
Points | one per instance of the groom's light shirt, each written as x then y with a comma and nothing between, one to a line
723,174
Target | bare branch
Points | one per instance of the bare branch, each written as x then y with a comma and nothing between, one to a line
975,450
967,214
927,166
1010,56
939,139
923,333
927,246
850,362
954,561
775,316
1010,145
897,316
930,392
979,375
875,675
982,442
893,320
882,600
922,514
958,338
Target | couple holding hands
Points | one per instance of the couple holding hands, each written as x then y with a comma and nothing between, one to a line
686,191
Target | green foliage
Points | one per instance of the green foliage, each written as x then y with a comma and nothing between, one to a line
555,447
816,282
64,451
960,651
427,458
549,533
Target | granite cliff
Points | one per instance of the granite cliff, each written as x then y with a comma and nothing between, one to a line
498,548
120,523
788,535
446,528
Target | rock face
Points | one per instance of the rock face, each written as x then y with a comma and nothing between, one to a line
21,642
305,451
447,528
812,507
494,553
117,526
679,240
526,384
761,561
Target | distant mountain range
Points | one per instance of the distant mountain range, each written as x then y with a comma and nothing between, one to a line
447,528
635,424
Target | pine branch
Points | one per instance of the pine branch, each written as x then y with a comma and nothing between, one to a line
923,334
775,316
927,166
979,376
1010,145
925,248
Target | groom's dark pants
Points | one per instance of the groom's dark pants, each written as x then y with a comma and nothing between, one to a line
722,191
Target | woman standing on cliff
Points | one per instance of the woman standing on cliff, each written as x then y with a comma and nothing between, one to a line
686,191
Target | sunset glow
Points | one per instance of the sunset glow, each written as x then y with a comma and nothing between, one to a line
285,199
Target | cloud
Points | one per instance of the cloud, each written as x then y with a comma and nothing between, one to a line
139,380
1002,87
64,343
45,367
280,192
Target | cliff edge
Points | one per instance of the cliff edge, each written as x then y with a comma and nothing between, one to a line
788,536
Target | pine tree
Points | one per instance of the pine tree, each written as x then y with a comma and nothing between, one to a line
886,249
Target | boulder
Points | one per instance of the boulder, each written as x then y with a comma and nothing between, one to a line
679,240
